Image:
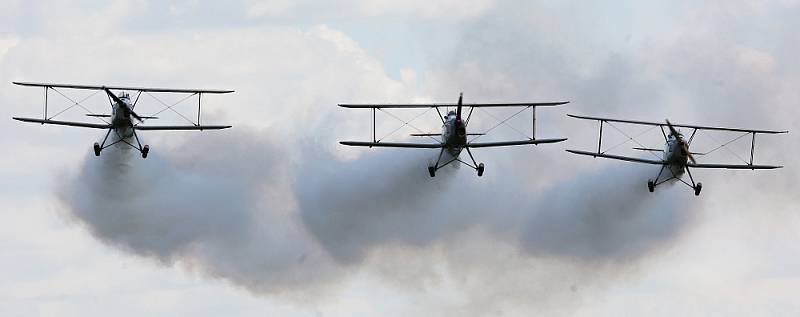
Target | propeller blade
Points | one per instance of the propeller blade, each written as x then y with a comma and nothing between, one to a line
114,97
123,104
672,129
458,110
135,115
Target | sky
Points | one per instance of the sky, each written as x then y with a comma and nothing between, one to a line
274,217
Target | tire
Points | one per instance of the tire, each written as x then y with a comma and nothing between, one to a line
145,151
651,186
432,171
96,149
698,188
480,169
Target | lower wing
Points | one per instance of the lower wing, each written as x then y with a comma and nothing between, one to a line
734,166
180,127
510,143
67,123
617,157
391,144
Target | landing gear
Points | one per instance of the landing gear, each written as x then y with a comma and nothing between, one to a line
145,150
432,171
698,188
480,169
96,149
651,186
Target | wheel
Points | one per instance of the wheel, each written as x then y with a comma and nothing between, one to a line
145,150
96,149
698,188
480,169
432,171
650,185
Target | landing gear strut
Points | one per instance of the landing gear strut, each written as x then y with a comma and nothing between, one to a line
96,149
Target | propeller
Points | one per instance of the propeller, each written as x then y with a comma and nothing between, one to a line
685,146
458,110
123,104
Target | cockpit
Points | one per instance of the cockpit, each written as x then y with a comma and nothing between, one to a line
451,114
125,96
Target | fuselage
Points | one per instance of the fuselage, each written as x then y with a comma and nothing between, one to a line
121,117
675,155
454,133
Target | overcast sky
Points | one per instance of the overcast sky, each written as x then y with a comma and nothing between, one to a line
274,217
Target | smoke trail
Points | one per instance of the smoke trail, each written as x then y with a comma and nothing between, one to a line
382,197
223,213
606,215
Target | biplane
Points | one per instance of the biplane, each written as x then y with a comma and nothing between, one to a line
123,122
676,159
454,137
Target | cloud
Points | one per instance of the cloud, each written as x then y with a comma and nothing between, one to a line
447,10
285,210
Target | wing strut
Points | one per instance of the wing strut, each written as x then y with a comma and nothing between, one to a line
600,139
199,95
533,123
752,147
45,102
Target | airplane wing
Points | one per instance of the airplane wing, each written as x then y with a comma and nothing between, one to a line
618,157
437,105
393,144
90,87
663,124
179,127
734,166
511,143
67,123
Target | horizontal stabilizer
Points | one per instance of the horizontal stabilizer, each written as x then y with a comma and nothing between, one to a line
439,134
657,150
647,149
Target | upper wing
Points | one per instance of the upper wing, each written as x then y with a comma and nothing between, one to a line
617,157
180,127
735,167
436,105
662,124
510,143
391,144
90,87
68,123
